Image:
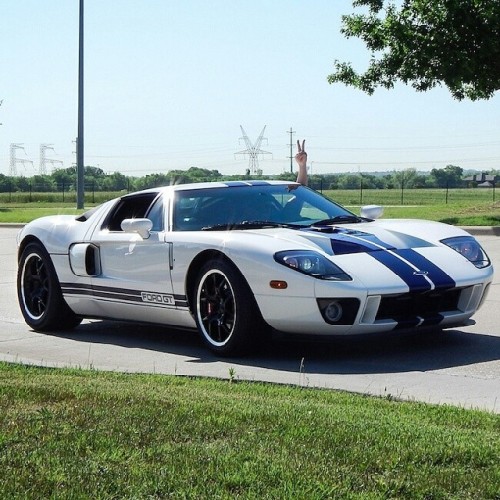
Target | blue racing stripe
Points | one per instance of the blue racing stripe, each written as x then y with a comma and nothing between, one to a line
352,242
365,241
418,272
415,282
434,273
245,183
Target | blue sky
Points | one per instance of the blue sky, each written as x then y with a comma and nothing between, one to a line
168,84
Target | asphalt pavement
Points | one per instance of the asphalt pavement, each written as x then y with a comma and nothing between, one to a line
456,367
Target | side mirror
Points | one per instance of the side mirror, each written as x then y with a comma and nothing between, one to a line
140,226
372,211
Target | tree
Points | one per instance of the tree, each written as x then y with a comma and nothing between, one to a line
64,177
43,183
373,182
202,174
349,181
449,176
115,182
427,43
94,172
406,179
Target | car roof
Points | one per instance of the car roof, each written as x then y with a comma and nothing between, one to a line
216,184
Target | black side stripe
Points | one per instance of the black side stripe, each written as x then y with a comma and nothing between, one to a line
116,294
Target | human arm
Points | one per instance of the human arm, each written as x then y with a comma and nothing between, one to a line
301,159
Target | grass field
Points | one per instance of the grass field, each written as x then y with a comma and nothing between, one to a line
85,434
465,207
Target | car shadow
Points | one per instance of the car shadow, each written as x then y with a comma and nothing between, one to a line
383,353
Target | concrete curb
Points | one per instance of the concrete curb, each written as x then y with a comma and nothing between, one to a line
482,230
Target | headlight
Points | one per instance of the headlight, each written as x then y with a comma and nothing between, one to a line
470,249
312,264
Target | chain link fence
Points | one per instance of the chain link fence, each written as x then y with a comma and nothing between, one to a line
66,193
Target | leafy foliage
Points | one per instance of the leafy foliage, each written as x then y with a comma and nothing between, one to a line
427,43
450,176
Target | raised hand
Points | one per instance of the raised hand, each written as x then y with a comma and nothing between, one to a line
301,159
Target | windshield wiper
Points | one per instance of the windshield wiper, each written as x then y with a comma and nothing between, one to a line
339,219
249,224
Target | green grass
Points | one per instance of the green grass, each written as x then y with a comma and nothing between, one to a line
461,207
457,215
29,212
86,434
414,196
464,207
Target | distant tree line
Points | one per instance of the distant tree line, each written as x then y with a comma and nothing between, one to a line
64,179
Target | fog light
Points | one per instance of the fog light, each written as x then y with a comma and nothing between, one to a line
333,312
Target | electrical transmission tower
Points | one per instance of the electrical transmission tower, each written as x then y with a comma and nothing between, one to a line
291,132
253,150
44,160
14,160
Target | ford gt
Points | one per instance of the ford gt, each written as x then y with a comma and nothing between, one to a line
237,260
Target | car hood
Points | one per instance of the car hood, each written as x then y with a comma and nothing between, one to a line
390,252
392,234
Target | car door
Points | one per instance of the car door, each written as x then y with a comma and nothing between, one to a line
134,280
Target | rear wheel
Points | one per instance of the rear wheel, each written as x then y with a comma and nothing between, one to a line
39,292
225,310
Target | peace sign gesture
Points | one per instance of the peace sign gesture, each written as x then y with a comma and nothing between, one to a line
301,159
301,156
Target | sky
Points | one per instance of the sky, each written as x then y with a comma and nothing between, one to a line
169,83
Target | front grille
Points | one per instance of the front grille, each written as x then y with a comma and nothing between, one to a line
410,308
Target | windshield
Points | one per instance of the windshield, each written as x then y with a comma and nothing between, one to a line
221,208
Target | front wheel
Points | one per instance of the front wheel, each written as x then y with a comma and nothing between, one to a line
226,313
39,292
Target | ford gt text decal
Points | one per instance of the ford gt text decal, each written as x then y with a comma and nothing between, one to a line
124,295
157,298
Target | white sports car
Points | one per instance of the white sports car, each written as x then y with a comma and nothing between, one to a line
237,259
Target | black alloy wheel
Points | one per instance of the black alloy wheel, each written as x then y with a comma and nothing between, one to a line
226,312
39,292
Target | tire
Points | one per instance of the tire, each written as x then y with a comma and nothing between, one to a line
226,313
39,292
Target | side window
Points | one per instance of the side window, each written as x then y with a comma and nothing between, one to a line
156,215
184,212
129,207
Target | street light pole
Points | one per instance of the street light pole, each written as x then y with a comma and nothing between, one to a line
80,188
